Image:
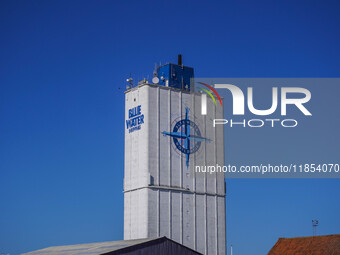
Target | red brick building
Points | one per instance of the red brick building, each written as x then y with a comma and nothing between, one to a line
311,245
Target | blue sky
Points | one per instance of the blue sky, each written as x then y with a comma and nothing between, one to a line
62,112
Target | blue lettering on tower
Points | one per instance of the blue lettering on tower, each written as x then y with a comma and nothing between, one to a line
136,119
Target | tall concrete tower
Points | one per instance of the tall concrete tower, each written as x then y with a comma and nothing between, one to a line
166,137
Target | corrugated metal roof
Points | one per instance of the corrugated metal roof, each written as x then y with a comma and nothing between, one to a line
312,245
89,248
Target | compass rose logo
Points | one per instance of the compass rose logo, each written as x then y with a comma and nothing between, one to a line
186,136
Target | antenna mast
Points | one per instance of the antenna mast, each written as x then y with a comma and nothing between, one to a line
315,223
130,82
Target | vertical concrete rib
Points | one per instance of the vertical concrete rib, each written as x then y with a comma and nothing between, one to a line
216,225
205,189
181,180
158,163
158,134
158,213
216,188
225,192
206,224
169,181
193,106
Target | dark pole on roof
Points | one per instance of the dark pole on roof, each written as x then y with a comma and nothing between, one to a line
179,59
315,224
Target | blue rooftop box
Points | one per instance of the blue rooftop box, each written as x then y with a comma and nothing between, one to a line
175,76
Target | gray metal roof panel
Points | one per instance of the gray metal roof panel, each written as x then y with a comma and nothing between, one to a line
89,248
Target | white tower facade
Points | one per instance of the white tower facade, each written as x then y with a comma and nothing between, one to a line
163,195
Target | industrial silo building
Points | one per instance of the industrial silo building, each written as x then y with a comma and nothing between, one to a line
165,138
